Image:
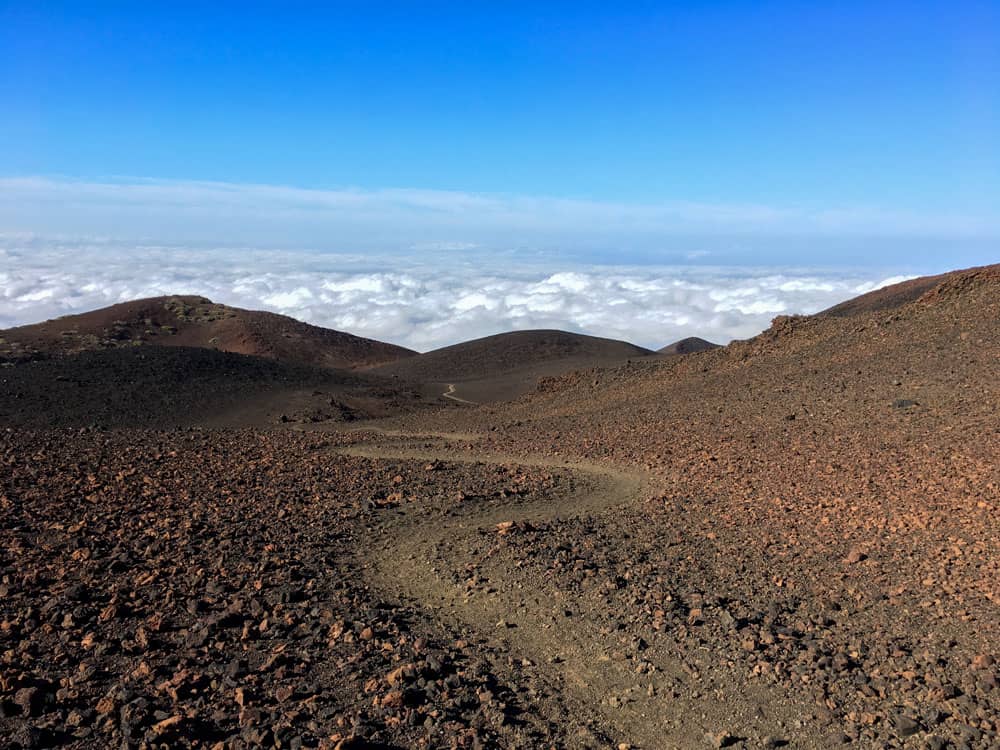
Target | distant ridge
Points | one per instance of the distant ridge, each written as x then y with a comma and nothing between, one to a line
194,321
509,364
690,345
896,295
510,351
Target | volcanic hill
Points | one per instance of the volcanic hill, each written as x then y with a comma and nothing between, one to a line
197,322
789,541
690,345
501,367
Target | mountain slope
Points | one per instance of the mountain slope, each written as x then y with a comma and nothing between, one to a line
197,322
160,387
823,513
505,365
886,298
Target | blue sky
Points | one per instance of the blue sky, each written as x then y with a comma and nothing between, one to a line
885,104
755,134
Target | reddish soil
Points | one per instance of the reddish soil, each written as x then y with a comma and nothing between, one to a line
187,588
791,540
197,322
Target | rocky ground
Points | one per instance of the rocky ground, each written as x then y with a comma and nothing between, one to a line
792,541
824,517
159,387
190,588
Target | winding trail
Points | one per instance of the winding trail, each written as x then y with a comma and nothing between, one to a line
449,394
588,683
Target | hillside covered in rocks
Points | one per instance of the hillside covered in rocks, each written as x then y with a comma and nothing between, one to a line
787,541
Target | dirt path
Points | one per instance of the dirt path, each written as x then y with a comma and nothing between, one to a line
449,394
589,685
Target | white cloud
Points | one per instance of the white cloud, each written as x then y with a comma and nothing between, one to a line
421,301
290,299
872,286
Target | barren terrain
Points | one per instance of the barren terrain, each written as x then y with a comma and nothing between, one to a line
190,321
789,541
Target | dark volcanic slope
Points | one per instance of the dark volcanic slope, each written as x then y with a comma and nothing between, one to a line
509,351
792,541
690,345
826,522
178,386
886,298
505,365
197,322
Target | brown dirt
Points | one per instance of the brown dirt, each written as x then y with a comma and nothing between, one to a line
193,587
502,367
197,322
157,387
827,503
790,540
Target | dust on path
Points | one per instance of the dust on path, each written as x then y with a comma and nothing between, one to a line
589,684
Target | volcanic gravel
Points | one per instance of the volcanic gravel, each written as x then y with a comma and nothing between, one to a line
826,518
190,588
158,386
793,540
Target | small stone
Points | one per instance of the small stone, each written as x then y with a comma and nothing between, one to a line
720,739
30,700
162,726
906,726
399,675
855,556
106,705
983,661
392,699
726,620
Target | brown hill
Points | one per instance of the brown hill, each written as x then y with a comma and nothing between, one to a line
690,345
506,365
791,541
831,482
886,298
196,322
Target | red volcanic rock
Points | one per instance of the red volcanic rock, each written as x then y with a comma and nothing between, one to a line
191,321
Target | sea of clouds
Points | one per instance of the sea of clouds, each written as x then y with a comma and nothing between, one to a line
428,297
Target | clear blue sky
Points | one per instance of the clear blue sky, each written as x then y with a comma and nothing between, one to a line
894,105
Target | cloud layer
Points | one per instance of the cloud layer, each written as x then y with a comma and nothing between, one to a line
423,299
